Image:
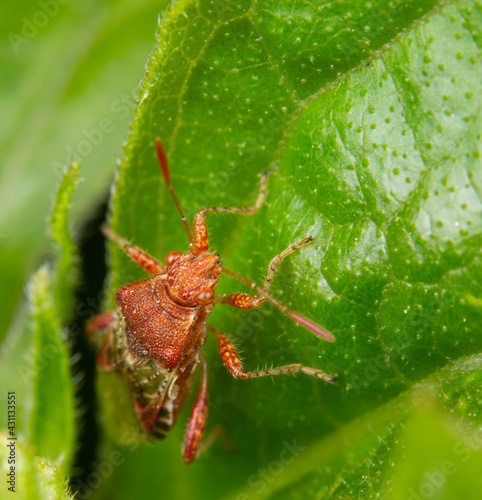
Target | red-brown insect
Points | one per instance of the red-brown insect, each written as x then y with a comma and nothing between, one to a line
156,335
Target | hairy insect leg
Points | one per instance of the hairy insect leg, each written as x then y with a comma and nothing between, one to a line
276,261
245,301
217,433
142,258
233,362
197,421
200,231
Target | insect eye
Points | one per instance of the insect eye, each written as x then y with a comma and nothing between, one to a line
171,257
170,279
205,297
185,295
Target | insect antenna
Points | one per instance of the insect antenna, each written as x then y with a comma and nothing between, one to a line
307,323
161,155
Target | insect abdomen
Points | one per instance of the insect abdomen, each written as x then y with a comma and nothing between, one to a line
164,422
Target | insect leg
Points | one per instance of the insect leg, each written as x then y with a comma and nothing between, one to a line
104,357
245,301
197,421
200,230
276,261
233,363
142,258
100,322
97,324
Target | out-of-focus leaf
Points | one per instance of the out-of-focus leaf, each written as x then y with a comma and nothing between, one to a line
32,477
35,359
35,364
52,426
70,72
66,272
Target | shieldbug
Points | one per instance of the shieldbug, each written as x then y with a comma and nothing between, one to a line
156,335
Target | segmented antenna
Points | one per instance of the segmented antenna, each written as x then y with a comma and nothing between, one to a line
161,154
307,323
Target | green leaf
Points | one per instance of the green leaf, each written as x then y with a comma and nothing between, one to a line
70,72
53,483
35,361
33,478
35,364
52,430
369,117
66,272
438,457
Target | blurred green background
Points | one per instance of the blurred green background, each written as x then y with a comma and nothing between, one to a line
69,76
366,119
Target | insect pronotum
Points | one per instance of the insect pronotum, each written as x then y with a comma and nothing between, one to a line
156,335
